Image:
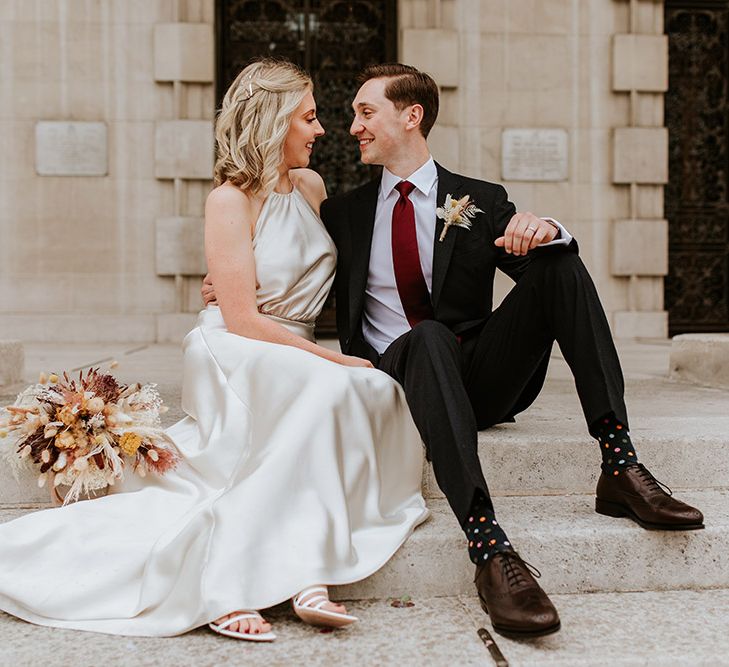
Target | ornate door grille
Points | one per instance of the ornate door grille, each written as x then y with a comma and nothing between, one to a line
697,195
333,40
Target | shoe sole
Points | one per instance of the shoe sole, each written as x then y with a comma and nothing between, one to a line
243,636
324,619
511,633
607,508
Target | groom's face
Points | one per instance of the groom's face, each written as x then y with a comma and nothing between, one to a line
378,125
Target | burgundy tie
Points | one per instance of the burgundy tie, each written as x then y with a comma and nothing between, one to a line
406,259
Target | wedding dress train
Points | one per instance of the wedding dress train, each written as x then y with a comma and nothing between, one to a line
295,471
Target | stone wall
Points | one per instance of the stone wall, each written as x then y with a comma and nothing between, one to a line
117,255
103,257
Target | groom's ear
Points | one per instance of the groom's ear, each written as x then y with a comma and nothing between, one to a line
414,116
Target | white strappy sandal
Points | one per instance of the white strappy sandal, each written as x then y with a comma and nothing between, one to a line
248,636
311,610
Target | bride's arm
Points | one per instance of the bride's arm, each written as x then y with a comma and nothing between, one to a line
229,254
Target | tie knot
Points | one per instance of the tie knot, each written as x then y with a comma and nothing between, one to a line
404,188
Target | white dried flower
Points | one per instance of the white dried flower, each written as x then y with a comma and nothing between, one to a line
60,463
81,464
95,405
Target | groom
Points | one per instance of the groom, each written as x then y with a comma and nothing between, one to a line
414,290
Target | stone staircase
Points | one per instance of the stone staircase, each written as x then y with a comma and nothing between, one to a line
542,472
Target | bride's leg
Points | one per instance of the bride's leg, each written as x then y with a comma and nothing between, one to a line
252,626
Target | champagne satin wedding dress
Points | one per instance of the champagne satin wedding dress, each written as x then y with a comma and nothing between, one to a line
295,471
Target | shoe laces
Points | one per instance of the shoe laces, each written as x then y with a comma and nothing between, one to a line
655,485
513,566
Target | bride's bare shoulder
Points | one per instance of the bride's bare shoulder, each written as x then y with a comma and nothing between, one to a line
310,184
227,197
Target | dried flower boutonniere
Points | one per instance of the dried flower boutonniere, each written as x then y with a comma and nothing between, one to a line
458,212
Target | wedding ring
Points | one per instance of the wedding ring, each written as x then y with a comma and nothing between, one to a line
534,229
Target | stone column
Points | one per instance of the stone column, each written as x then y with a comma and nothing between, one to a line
430,42
184,58
639,252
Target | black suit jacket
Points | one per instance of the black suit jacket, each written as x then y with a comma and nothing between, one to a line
464,263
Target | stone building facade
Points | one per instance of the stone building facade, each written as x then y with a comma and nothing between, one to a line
106,112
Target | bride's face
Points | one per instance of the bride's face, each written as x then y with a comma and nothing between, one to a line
303,132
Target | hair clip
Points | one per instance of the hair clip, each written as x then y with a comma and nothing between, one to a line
250,88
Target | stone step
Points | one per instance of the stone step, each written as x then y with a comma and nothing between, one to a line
577,550
527,462
542,459
681,432
12,362
701,358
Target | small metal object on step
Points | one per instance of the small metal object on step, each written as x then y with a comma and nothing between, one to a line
493,648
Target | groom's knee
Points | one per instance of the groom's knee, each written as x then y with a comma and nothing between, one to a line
564,268
431,333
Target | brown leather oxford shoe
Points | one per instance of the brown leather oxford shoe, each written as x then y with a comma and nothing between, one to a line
510,595
635,493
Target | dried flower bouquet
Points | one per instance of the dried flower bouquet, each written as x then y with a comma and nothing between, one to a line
83,433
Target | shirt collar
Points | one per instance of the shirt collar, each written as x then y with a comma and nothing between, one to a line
423,179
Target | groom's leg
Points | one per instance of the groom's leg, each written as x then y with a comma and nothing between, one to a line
554,300
427,362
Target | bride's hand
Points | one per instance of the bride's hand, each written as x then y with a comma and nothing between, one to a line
348,360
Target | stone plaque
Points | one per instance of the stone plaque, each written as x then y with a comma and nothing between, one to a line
534,154
64,148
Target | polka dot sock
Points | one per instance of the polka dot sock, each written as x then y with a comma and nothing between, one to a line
484,534
615,444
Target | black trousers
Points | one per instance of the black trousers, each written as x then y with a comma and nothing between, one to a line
456,388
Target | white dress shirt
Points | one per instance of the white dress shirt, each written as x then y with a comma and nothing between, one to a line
384,317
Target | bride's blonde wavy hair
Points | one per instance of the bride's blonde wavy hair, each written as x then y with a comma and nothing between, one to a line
253,122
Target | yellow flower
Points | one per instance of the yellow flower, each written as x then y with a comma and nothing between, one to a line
65,440
66,415
129,443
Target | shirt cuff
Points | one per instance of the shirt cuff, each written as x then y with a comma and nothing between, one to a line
563,236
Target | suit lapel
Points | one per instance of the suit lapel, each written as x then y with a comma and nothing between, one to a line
448,183
362,222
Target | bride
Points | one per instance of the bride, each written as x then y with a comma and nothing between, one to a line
300,467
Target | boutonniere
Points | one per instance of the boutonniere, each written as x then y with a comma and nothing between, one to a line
458,212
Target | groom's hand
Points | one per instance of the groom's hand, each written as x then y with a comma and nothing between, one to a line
207,291
524,232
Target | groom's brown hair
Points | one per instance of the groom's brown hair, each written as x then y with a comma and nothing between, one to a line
407,86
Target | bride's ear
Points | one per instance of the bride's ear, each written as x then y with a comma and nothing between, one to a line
414,117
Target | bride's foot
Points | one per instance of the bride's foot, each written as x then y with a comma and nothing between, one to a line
249,625
313,606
